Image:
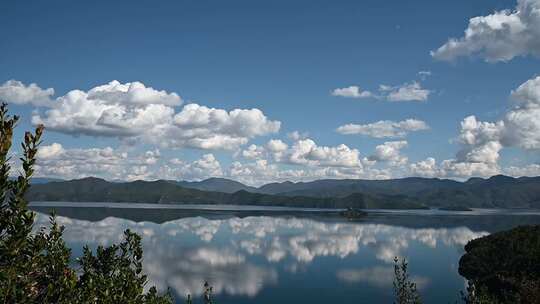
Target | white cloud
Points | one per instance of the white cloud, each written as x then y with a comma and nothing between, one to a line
352,92
115,164
460,169
262,171
133,93
253,152
132,111
412,91
452,168
307,152
408,92
274,148
500,36
384,128
276,145
296,135
205,167
390,152
481,142
16,92
522,122
304,160
425,168
56,161
528,170
277,149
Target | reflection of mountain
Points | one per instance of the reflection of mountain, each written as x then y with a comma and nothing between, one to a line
240,256
491,222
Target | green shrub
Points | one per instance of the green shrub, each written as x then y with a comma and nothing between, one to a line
404,288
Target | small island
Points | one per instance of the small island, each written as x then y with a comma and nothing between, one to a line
455,208
352,213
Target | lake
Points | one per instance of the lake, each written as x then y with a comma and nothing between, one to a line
287,255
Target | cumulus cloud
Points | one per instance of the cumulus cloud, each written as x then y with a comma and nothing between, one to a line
408,92
384,128
305,160
307,152
56,161
16,92
425,168
261,171
528,170
453,168
481,142
412,91
500,36
390,152
133,111
116,164
352,92
522,121
253,152
133,93
478,154
296,135
176,169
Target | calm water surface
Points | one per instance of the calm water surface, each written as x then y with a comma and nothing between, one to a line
261,255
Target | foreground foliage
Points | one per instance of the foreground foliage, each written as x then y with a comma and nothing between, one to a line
404,288
35,267
505,266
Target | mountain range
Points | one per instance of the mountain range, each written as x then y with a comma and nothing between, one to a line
413,192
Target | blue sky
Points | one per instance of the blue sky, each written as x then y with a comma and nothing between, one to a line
284,58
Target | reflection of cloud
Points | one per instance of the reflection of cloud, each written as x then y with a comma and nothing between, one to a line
387,250
377,276
169,262
184,271
202,227
182,254
307,239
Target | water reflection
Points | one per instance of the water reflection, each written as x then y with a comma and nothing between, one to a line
378,276
242,256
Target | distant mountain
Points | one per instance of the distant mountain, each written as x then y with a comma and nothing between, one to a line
495,192
41,180
98,190
218,185
344,187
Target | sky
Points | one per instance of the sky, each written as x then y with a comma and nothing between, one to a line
266,91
